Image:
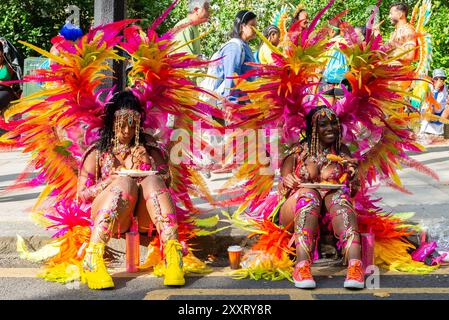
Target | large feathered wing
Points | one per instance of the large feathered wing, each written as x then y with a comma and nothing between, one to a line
57,123
278,101
55,127
162,78
374,123
376,128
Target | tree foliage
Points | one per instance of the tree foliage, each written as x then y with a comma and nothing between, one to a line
358,14
36,21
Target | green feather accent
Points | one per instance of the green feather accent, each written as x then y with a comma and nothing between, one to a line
202,233
272,216
207,222
62,148
403,215
44,253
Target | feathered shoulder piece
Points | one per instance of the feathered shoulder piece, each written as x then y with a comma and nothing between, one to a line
57,123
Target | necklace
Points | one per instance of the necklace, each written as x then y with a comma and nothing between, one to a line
321,158
121,150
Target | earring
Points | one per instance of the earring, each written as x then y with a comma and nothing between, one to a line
338,137
136,139
115,134
314,138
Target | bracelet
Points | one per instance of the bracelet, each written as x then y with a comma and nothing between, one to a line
152,144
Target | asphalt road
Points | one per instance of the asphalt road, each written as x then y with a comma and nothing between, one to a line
20,283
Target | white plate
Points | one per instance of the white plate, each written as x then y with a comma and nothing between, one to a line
135,173
321,186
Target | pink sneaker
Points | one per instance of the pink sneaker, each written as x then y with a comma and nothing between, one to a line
302,275
355,278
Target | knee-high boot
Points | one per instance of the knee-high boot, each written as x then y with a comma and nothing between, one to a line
95,273
172,249
307,204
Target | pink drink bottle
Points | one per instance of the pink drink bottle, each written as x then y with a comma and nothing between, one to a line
133,248
367,250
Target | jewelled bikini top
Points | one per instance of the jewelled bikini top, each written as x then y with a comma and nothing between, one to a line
107,162
316,169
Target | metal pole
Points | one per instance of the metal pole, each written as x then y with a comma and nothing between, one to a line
106,11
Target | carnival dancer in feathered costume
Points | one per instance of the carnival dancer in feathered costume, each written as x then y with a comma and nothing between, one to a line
411,43
420,19
290,20
423,99
334,157
83,145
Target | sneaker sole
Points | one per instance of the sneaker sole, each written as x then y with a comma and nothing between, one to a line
351,284
306,284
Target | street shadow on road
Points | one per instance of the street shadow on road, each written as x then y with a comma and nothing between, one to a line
19,197
432,161
121,280
12,177
431,150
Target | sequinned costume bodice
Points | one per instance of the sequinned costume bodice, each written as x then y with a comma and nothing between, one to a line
107,162
318,169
